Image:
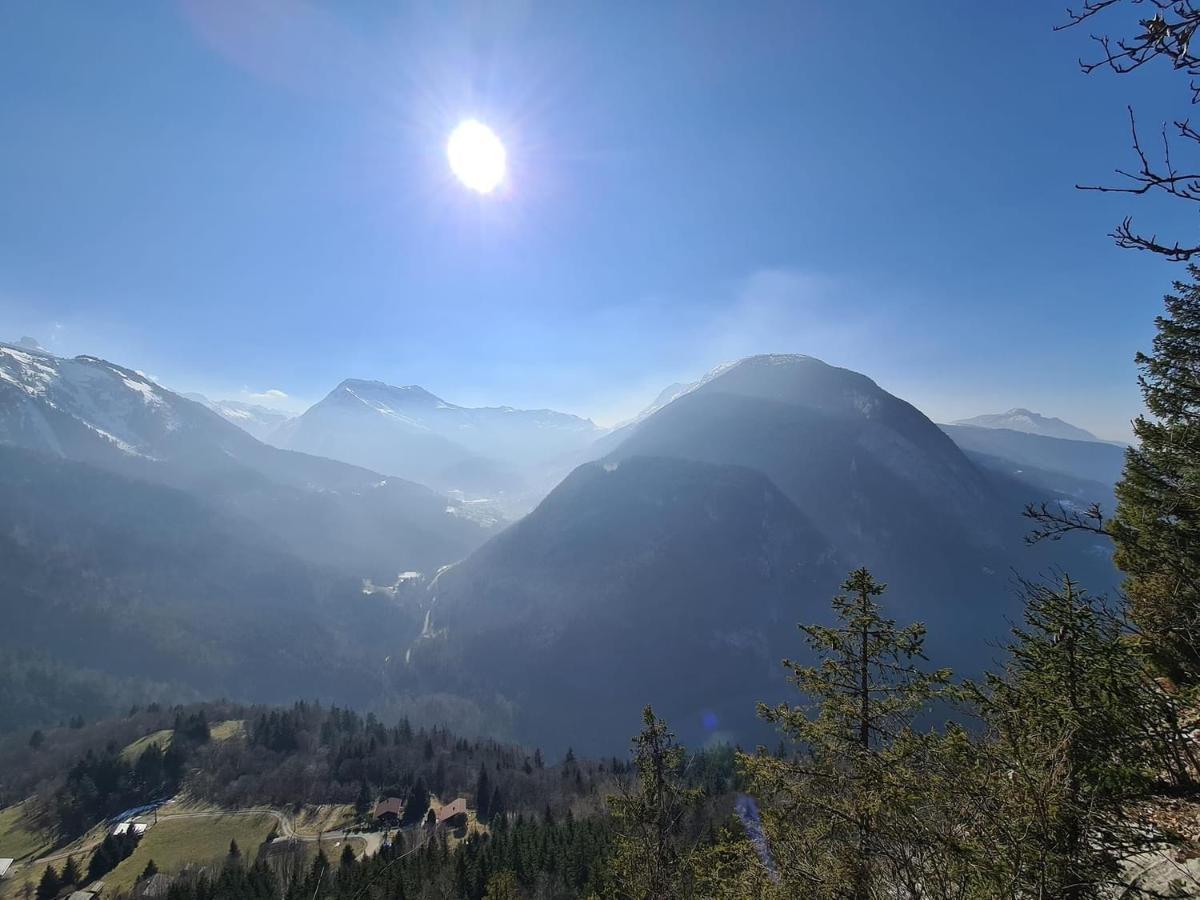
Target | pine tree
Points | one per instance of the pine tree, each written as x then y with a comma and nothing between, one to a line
348,858
50,885
483,795
651,856
1157,524
149,872
235,852
70,873
416,804
823,810
503,886
104,860
1067,729
362,804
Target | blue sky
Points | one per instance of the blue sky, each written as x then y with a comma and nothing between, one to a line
242,197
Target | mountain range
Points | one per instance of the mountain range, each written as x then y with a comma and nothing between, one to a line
505,456
674,569
147,539
1018,419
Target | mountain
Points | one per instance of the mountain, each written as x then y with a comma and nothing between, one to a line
872,468
150,591
409,432
89,410
1018,419
626,577
258,421
1085,470
719,521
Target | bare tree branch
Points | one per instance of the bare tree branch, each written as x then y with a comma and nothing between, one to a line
1053,521
1167,34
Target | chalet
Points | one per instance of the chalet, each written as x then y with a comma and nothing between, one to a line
453,814
5,865
389,810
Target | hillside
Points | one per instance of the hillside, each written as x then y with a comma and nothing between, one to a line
599,598
1040,458
253,774
166,596
92,411
720,521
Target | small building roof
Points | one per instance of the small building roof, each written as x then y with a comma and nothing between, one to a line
5,865
392,806
450,810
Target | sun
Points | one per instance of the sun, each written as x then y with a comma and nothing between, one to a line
477,158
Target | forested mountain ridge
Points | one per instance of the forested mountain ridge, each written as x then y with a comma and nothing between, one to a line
147,584
622,575
151,549
716,523
1041,459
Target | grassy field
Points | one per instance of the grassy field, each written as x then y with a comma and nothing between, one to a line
81,849
230,728
134,750
221,731
173,843
312,820
18,837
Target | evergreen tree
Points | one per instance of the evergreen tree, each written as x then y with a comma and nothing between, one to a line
416,804
149,872
50,885
503,886
235,852
70,873
104,860
824,811
1157,524
483,795
348,859
650,855
1068,725
439,778
496,808
362,804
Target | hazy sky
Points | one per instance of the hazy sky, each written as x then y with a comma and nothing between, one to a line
246,197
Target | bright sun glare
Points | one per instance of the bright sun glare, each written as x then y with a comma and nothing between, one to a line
477,157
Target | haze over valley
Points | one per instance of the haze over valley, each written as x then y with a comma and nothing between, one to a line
510,450
538,543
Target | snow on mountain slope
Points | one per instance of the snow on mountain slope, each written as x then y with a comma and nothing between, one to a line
1018,419
89,410
58,405
407,431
